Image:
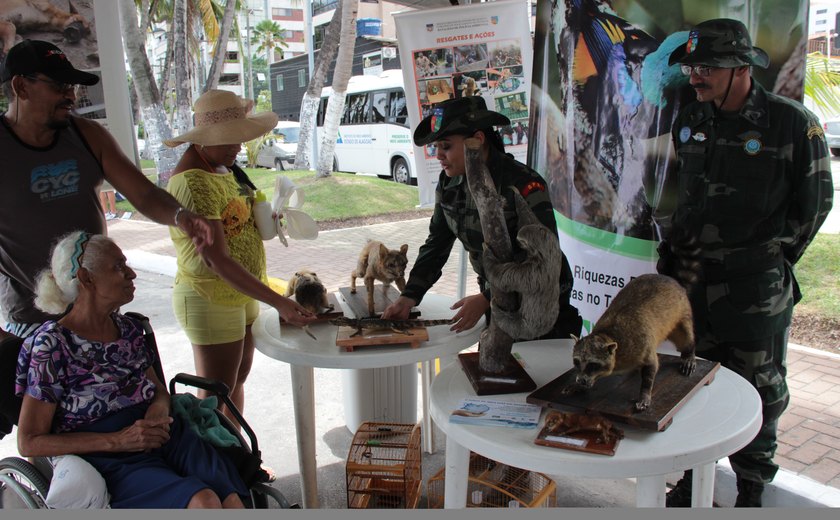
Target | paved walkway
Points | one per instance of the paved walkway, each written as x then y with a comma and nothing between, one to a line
809,441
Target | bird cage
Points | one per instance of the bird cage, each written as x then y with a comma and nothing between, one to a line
493,484
384,467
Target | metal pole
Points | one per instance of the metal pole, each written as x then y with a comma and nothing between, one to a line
310,49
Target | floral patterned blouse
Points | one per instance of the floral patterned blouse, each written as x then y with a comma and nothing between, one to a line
86,379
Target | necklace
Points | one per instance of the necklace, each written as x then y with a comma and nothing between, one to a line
210,169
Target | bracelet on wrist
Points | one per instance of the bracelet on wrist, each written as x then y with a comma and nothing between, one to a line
177,213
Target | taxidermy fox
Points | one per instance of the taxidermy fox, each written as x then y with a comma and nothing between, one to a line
646,312
308,291
377,262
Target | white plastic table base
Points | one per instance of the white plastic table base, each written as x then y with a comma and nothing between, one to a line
303,390
720,419
293,346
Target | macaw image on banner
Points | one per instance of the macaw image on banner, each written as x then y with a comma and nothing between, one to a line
603,102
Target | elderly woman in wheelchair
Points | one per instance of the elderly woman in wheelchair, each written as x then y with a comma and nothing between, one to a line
89,389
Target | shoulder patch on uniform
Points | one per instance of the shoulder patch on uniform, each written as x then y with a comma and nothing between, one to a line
815,131
531,187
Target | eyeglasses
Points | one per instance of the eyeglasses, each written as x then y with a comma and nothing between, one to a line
59,88
701,70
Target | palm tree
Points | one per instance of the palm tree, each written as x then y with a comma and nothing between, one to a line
341,77
821,83
221,37
151,106
268,36
312,97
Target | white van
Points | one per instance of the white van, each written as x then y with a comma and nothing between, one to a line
373,136
281,147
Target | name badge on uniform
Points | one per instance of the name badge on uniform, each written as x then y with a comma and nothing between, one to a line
752,146
685,133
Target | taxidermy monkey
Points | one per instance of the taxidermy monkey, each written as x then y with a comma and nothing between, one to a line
535,279
308,291
646,312
377,262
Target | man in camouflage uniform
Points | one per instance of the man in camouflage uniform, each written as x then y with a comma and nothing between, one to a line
456,215
754,187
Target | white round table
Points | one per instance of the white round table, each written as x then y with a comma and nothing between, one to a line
718,420
292,345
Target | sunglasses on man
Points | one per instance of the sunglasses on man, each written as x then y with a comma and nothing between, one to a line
700,70
58,88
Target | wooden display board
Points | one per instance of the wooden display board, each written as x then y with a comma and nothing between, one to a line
327,314
614,396
373,337
514,380
587,441
358,301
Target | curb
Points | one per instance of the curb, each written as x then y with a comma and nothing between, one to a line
787,490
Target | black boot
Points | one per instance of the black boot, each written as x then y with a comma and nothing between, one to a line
749,493
680,496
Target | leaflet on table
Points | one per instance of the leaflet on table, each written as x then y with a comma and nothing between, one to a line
487,412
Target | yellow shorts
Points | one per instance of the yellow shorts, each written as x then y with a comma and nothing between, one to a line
208,323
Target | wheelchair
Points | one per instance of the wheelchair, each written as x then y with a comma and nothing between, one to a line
25,484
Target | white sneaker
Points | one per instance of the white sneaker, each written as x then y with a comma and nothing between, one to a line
110,216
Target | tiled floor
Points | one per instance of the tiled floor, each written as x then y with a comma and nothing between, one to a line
809,431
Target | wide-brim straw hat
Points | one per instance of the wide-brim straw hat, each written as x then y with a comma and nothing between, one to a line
222,117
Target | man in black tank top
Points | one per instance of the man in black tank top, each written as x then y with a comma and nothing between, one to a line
54,165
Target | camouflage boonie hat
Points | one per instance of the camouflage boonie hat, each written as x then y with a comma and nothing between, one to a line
456,116
720,43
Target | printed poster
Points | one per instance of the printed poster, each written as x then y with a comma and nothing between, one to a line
473,50
604,99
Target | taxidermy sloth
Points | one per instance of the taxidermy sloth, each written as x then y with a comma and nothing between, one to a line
646,312
377,262
535,279
308,291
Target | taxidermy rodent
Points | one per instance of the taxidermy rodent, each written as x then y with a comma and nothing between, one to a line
646,312
308,291
534,278
377,262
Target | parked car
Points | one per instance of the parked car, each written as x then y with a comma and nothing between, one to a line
832,135
279,150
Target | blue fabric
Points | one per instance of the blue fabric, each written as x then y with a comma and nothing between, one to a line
165,478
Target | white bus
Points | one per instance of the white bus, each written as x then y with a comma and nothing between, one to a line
374,137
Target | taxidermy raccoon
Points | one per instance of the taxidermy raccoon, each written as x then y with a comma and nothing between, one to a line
308,291
646,312
534,278
377,262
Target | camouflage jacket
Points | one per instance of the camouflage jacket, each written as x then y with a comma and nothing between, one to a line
754,187
456,217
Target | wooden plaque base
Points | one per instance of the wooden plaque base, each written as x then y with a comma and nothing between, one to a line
586,441
381,300
327,314
512,381
614,397
379,337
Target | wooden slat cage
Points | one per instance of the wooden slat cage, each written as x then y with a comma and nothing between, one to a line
493,484
384,467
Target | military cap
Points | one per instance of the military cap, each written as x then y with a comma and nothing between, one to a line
456,116
723,43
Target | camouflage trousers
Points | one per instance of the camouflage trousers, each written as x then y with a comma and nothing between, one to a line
762,363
